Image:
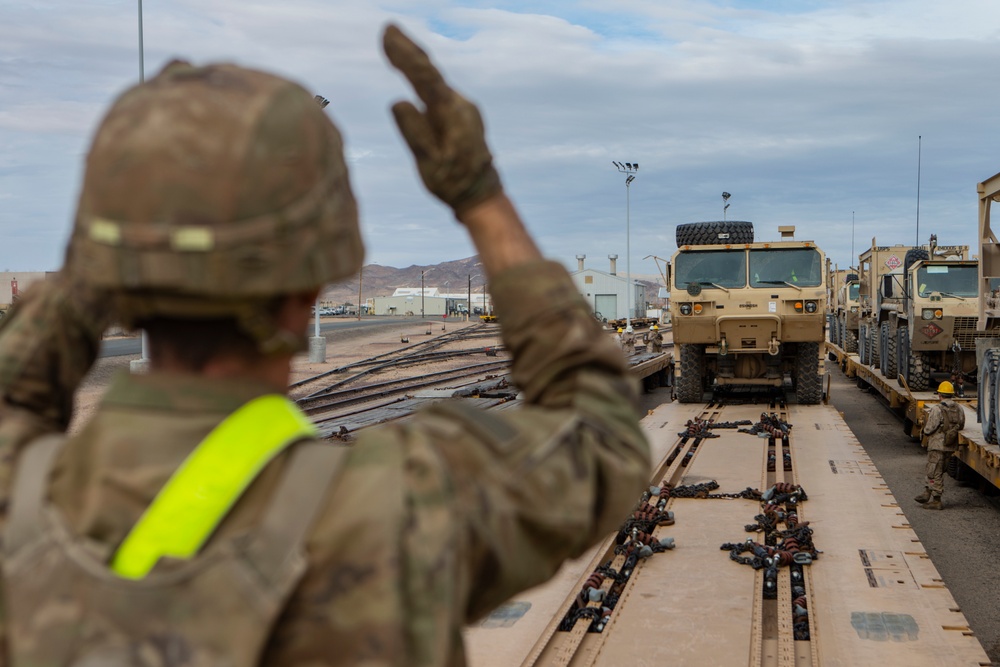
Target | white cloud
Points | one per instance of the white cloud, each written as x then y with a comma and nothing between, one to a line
803,115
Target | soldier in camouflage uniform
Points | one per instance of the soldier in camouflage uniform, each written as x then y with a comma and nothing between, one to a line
944,422
215,205
655,339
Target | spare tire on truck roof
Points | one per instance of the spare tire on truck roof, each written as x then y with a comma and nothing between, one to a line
850,277
714,233
912,256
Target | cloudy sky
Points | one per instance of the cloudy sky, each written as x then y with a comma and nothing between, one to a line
804,110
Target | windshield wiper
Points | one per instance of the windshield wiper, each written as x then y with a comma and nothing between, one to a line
779,282
960,298
717,286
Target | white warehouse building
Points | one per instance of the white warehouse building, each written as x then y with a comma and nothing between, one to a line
407,301
607,292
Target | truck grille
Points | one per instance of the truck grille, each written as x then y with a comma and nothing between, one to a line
966,334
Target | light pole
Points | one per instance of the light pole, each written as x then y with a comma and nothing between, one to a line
629,169
421,294
141,365
725,204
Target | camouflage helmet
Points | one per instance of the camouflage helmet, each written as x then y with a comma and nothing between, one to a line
208,192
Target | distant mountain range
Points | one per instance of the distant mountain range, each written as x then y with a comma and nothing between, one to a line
450,277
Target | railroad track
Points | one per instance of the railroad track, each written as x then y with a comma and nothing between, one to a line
576,636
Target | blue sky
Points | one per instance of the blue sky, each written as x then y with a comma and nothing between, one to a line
804,111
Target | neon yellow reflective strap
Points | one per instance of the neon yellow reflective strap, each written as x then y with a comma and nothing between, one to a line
212,478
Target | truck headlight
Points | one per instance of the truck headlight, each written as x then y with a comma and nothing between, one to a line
810,306
927,314
685,309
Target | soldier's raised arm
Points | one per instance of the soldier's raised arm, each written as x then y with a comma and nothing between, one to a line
537,485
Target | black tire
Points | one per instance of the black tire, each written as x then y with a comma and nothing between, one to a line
850,341
988,393
808,381
901,344
863,344
714,233
913,255
888,362
874,354
850,276
917,371
690,384
956,469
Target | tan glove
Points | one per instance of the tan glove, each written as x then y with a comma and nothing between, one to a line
447,139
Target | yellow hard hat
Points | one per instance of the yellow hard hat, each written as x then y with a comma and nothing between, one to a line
656,328
620,329
946,388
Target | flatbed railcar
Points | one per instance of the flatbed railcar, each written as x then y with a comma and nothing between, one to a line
870,596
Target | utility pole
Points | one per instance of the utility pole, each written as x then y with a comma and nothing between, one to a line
421,294
919,143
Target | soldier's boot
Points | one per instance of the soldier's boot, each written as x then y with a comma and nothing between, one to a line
923,497
934,503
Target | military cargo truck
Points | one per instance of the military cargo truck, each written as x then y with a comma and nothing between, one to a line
873,265
747,313
847,312
926,319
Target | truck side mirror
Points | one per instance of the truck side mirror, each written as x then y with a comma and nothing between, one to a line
887,286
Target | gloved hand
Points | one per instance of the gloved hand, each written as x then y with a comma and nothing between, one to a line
447,138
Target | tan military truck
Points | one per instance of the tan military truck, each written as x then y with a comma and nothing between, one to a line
926,315
747,313
846,314
874,265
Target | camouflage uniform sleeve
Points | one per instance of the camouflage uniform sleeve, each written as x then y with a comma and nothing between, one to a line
47,344
533,486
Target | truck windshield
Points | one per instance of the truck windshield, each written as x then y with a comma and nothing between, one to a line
800,267
711,268
853,291
948,280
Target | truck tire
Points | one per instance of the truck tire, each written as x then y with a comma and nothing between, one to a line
808,381
888,365
901,342
850,276
714,233
913,255
850,341
918,371
988,393
690,384
873,347
863,344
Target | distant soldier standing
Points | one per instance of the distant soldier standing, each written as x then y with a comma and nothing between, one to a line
655,339
628,342
198,518
944,421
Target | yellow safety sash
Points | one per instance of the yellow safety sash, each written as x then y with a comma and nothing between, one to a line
212,478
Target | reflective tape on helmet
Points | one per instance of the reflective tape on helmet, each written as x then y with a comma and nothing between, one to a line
212,478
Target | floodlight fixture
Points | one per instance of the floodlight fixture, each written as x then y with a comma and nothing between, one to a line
628,168
321,101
